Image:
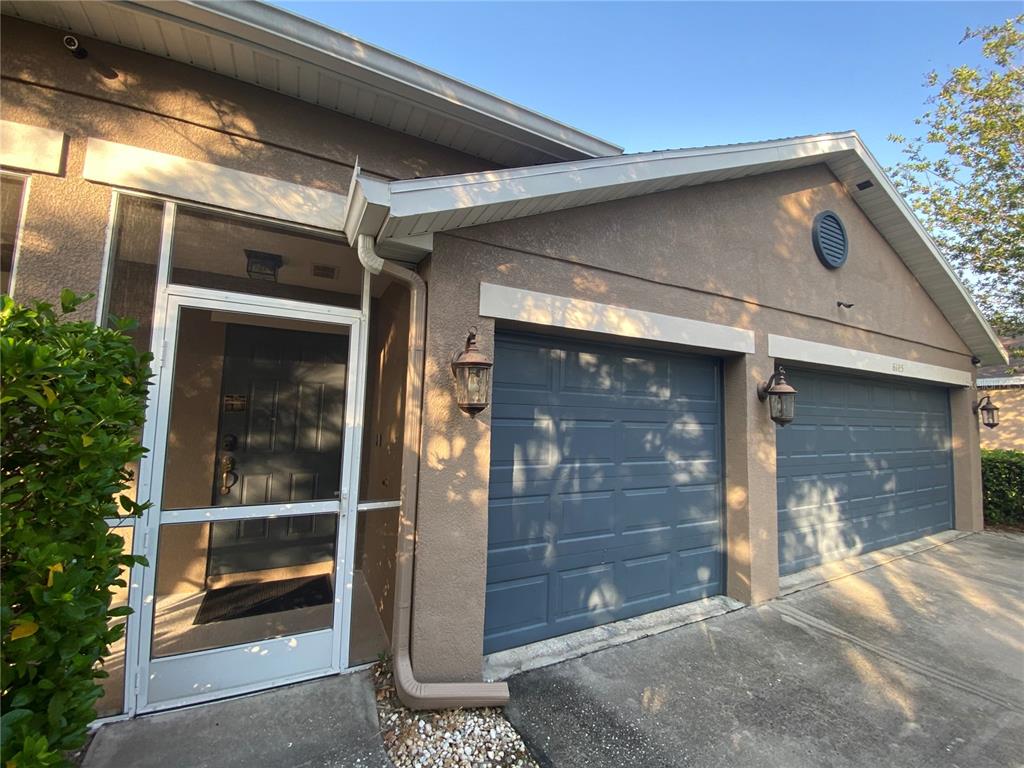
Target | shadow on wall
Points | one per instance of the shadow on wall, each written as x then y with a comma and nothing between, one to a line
592,498
872,474
872,266
203,116
733,244
1009,435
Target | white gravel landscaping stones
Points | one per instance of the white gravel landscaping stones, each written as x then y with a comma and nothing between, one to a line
451,738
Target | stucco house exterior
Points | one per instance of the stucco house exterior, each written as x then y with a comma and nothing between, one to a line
309,229
1005,389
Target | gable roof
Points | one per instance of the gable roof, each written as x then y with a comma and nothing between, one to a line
403,214
278,50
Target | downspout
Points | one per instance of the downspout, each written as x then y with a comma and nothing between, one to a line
413,693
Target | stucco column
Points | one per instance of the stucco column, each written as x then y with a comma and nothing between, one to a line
966,461
451,545
63,235
752,554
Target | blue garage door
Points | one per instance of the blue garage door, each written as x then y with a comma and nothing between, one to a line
605,486
866,464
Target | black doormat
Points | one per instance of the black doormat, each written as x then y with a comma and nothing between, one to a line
244,600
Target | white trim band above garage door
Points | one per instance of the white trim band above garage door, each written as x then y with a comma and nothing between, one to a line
802,351
31,148
524,306
121,165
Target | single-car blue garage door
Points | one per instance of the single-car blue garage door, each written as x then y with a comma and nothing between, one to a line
605,485
866,464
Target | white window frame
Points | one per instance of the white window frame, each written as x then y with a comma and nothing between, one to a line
19,230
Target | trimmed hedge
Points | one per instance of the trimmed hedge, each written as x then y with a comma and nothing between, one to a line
72,399
1002,480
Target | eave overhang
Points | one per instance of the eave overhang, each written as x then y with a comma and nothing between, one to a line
417,208
1001,382
280,51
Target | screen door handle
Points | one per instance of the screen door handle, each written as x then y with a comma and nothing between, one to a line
228,476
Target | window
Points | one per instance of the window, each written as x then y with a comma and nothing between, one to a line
12,190
230,253
131,292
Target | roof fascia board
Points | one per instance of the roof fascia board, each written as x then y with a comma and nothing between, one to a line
417,197
995,382
281,32
810,146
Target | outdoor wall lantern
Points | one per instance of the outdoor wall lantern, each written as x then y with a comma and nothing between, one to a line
780,395
260,265
472,372
989,412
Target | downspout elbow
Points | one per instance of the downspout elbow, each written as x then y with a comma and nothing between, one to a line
366,247
413,693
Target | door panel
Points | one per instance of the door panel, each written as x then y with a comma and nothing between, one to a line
282,414
866,464
283,403
605,485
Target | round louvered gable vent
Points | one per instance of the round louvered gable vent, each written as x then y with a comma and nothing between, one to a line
829,237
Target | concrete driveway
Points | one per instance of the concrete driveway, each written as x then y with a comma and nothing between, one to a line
917,662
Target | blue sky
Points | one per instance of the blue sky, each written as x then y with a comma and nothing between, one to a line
656,75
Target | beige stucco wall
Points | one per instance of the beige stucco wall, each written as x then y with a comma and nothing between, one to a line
377,538
736,253
1009,435
967,511
752,551
179,110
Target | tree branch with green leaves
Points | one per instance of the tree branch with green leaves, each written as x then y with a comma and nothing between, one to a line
964,175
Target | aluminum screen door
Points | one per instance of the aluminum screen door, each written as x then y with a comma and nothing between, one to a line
253,471
605,485
866,464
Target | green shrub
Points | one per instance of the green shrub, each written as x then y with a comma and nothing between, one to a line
72,400
1002,482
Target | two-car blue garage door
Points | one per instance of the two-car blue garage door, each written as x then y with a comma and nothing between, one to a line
605,485
866,464
606,479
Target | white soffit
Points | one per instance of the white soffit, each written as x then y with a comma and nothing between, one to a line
524,306
275,49
120,165
803,351
422,206
30,148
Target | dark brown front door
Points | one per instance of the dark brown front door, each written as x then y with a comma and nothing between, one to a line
279,440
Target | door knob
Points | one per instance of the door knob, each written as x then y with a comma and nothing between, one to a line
228,476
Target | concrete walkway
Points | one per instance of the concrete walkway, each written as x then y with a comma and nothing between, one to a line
915,662
330,722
